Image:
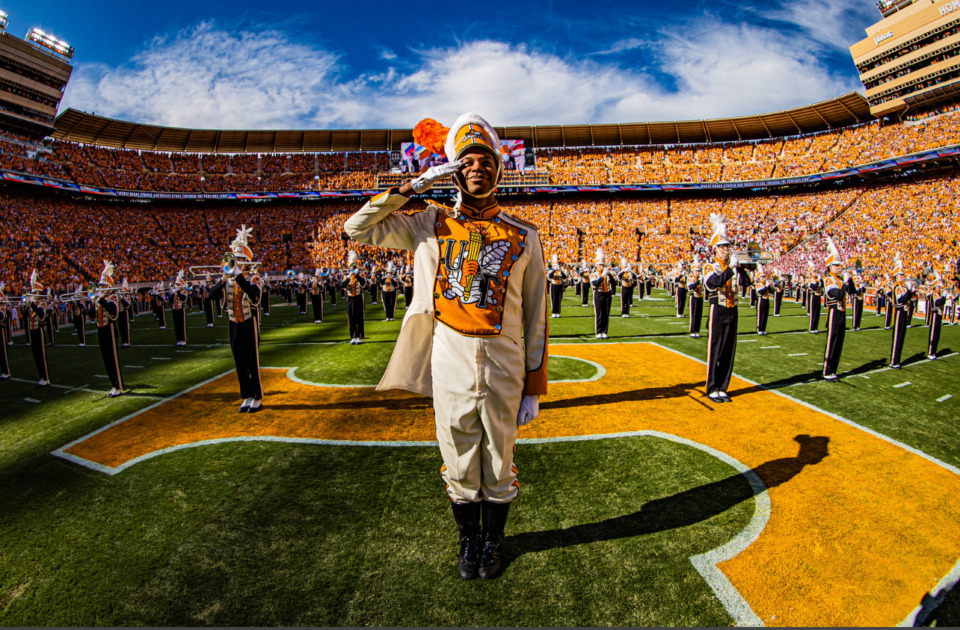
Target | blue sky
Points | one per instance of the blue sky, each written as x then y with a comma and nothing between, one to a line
354,64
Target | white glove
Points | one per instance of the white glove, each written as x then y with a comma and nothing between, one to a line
529,408
734,260
424,182
846,276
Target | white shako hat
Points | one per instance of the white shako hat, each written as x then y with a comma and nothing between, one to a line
555,260
391,267
833,254
106,276
351,258
468,132
240,245
719,225
179,281
35,286
897,266
599,259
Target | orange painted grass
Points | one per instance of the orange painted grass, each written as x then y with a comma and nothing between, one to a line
860,529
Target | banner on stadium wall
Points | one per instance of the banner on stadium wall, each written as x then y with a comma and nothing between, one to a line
873,167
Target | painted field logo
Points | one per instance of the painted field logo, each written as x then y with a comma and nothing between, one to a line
851,528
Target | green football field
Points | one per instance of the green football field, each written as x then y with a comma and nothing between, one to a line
263,533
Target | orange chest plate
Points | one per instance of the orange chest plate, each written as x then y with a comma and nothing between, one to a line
476,261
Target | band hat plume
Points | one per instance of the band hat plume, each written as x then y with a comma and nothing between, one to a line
179,281
897,266
719,225
470,131
240,245
833,254
351,258
106,276
35,286
555,260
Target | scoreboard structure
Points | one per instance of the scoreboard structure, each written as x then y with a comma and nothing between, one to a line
910,58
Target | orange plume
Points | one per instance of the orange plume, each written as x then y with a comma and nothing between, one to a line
430,134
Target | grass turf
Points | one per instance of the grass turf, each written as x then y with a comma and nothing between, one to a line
273,534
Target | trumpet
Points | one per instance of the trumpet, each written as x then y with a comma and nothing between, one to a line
13,301
227,264
861,269
747,256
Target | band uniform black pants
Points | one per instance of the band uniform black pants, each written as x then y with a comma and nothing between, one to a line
696,313
814,312
39,352
4,361
302,303
108,352
900,319
407,296
936,320
316,301
753,297
78,326
556,298
888,316
389,303
602,301
123,326
836,331
584,293
49,325
333,295
777,303
265,302
180,323
763,311
722,348
162,316
626,300
374,288
857,312
355,315
681,300
208,310
245,344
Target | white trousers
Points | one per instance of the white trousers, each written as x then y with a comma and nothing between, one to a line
477,388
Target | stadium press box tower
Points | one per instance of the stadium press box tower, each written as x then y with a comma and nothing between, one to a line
910,58
35,72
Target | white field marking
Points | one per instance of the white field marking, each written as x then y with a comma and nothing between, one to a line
134,367
922,361
945,398
768,347
32,400
601,371
100,376
902,385
160,358
66,387
679,323
747,340
799,354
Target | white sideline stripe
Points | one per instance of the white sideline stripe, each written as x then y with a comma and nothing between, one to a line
768,347
746,340
160,358
799,354
32,400
902,385
943,398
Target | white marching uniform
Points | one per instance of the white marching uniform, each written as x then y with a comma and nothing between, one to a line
476,328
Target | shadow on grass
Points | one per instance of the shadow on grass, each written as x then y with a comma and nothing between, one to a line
649,393
876,364
942,611
679,510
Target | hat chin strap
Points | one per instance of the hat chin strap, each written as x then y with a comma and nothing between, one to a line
462,187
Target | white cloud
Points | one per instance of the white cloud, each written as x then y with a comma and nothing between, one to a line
210,78
837,24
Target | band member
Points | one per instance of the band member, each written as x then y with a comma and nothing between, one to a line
241,291
301,291
178,303
628,282
680,282
407,281
206,302
388,289
77,310
901,296
938,302
836,294
316,293
126,314
695,291
333,281
479,296
51,322
721,280
951,313
778,291
373,283
37,312
354,283
160,300
584,280
107,305
602,280
890,305
556,279
763,288
814,295
856,290
265,297
880,297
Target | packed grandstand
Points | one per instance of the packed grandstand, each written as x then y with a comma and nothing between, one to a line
67,235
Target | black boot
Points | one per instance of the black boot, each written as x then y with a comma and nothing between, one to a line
494,520
467,516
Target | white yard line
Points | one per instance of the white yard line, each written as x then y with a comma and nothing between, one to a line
768,347
799,354
32,400
902,385
944,398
